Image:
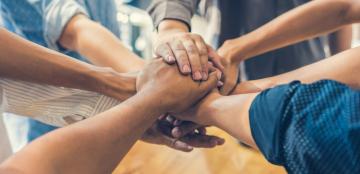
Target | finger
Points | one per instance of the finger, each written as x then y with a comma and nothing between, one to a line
177,144
194,58
164,51
181,56
203,141
162,117
211,83
202,130
230,82
170,119
213,69
177,122
203,53
184,129
215,58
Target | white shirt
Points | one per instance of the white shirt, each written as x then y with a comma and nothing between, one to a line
56,106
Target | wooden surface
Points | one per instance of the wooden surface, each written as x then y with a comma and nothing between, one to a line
227,159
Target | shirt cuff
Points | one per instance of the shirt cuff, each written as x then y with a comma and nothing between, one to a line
170,10
56,17
265,114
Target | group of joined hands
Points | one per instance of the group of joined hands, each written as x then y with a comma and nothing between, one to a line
185,81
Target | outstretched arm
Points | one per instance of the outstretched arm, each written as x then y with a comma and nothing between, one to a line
307,21
299,126
343,67
95,145
33,63
98,144
99,45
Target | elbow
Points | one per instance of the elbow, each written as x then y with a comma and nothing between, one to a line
69,39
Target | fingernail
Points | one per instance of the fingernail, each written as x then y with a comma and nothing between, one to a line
170,119
176,132
190,148
177,122
186,69
220,142
213,142
162,117
220,84
204,76
171,59
219,75
197,75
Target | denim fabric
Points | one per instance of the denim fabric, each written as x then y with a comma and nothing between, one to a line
43,21
309,128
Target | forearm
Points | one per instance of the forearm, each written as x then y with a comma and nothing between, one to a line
99,45
231,114
343,67
98,143
33,63
340,40
312,19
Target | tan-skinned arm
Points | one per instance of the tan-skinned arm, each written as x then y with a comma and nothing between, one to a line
343,67
307,21
340,40
23,60
95,145
231,113
99,45
41,65
99,143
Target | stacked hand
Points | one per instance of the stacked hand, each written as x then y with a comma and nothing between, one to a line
192,55
175,93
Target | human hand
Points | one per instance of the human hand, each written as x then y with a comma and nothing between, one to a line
161,133
204,110
173,91
189,51
231,70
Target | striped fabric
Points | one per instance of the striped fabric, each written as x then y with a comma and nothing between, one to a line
52,105
56,106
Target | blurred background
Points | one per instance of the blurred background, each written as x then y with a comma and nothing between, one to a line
137,32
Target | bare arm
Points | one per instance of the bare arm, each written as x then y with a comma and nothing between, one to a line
99,45
343,67
340,40
23,60
98,144
95,145
312,19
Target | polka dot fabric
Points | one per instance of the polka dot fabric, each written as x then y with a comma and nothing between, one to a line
318,127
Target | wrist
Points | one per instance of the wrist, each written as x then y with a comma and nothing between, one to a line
210,109
239,49
113,84
171,26
155,100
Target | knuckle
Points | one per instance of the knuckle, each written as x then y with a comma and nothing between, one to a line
182,56
203,52
191,49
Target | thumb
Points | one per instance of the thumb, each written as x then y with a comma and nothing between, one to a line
211,83
164,51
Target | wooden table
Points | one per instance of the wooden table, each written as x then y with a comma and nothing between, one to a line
227,159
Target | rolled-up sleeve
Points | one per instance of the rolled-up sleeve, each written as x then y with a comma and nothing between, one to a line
56,15
181,10
309,128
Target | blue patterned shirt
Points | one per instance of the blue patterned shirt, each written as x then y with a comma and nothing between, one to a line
309,128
